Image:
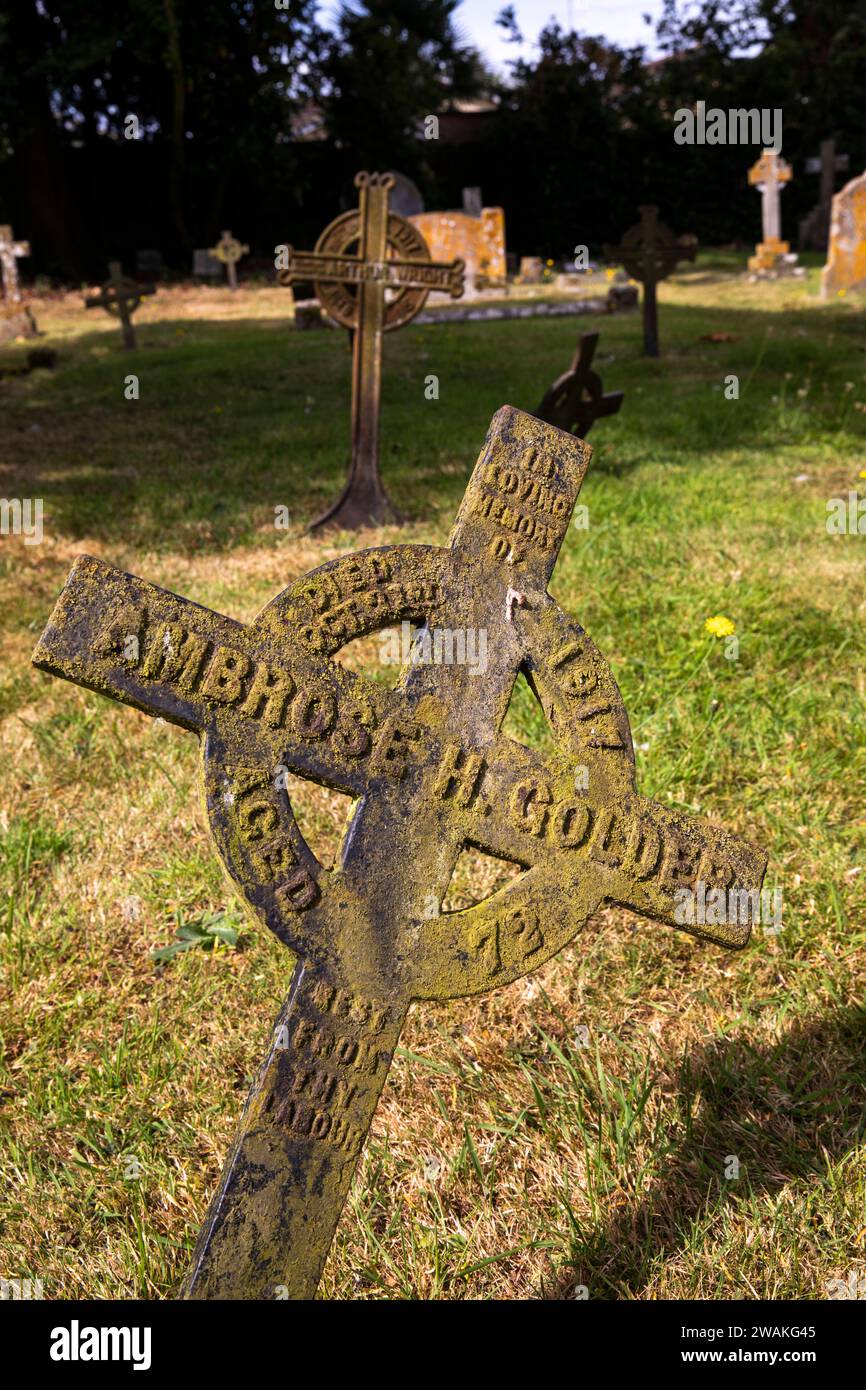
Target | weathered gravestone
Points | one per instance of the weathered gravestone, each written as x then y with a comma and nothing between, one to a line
577,398
846,256
11,252
228,251
431,771
120,296
772,255
372,273
148,261
650,252
204,265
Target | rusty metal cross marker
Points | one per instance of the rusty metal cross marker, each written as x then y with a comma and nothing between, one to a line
229,250
432,772
576,399
360,259
120,297
10,252
649,252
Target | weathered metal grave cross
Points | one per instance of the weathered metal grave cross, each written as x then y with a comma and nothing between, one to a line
120,296
390,257
577,398
11,251
229,250
432,772
649,252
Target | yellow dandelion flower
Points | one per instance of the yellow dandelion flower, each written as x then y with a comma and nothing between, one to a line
862,473
719,626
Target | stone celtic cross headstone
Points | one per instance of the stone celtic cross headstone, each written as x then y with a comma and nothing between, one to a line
229,251
120,296
577,398
650,252
769,175
372,273
11,252
431,771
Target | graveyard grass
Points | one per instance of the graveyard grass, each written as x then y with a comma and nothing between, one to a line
575,1128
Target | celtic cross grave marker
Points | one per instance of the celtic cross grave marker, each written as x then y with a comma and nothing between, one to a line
120,296
431,772
649,252
577,398
372,273
229,251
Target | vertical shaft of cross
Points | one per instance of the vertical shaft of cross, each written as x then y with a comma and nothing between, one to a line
367,346
271,1222
115,273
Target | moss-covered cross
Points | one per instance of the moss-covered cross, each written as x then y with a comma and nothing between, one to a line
432,772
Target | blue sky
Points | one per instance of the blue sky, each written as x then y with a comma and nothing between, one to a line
620,20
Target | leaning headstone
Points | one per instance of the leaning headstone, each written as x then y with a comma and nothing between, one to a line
430,771
359,257
577,398
11,252
120,297
204,265
815,226
772,255
229,251
479,242
846,260
649,252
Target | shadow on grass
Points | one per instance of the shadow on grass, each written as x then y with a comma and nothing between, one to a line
235,418
782,1111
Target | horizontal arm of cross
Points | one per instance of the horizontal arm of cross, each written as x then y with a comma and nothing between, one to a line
125,638
393,274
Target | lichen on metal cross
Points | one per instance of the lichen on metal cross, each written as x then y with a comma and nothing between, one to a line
432,772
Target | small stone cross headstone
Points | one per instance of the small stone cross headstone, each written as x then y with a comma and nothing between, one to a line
769,175
120,296
372,273
650,252
229,250
577,399
11,252
430,771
